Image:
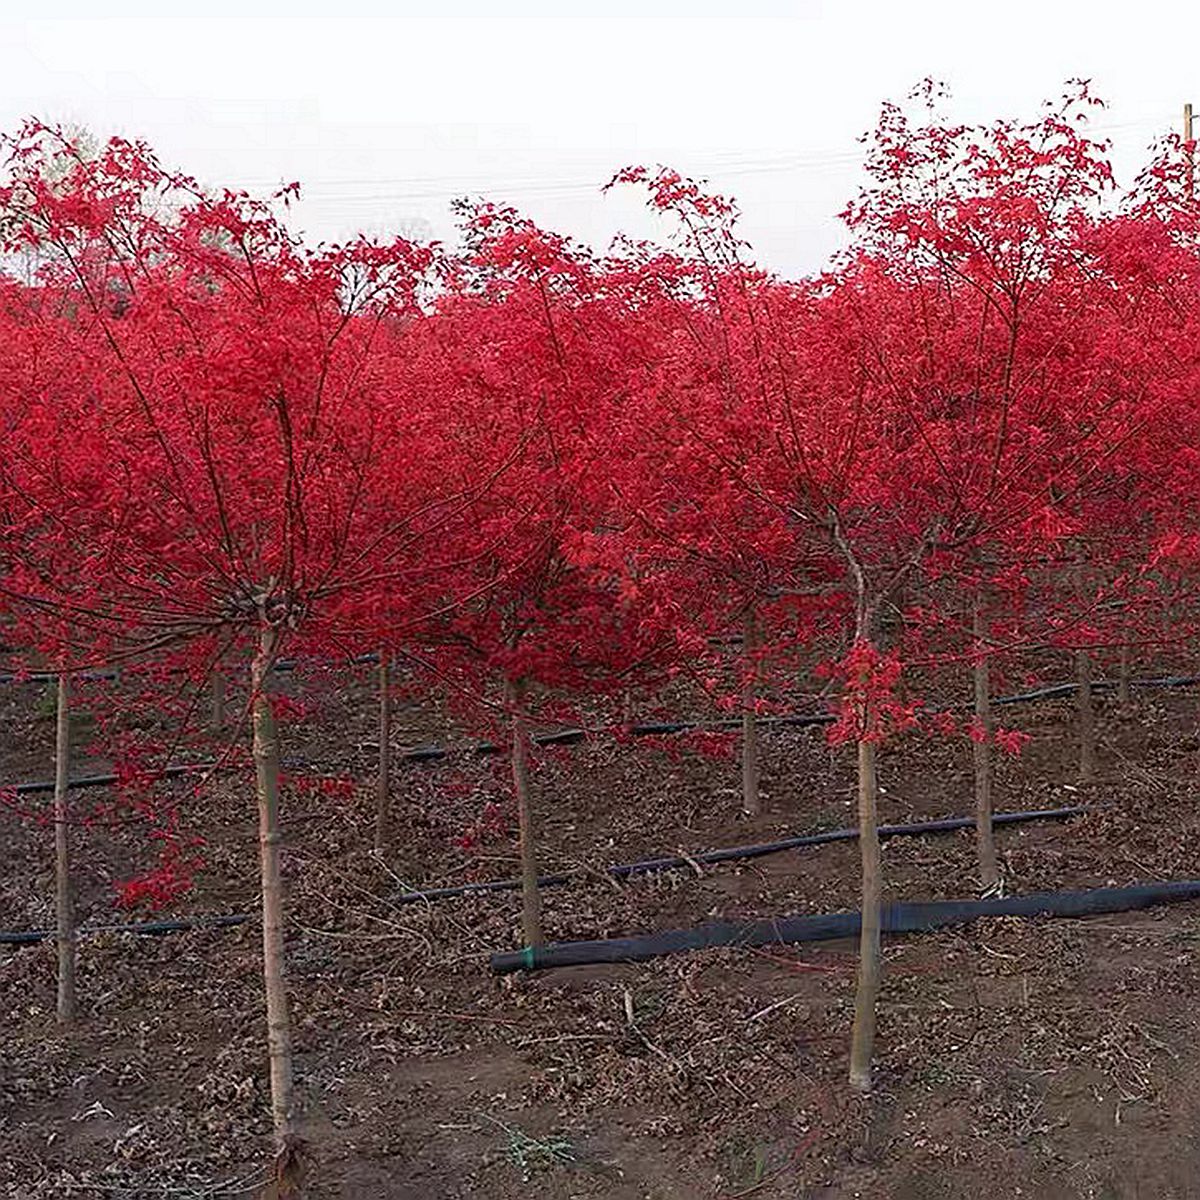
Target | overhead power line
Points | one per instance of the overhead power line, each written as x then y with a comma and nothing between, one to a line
344,192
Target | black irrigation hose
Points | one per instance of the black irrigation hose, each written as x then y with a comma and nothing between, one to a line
97,781
1100,685
51,676
623,871
734,853
571,737
150,928
1163,681
897,918
40,786
565,737
282,665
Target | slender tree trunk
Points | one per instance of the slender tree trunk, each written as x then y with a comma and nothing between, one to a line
531,899
266,762
384,783
627,708
985,837
862,1045
1123,674
64,905
751,801
216,717
1087,717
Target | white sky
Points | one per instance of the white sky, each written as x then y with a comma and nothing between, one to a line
384,118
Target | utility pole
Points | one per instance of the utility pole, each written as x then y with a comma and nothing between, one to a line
1189,151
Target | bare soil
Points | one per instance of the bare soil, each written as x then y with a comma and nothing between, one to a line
1041,1059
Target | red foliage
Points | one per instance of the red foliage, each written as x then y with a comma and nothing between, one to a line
516,461
167,882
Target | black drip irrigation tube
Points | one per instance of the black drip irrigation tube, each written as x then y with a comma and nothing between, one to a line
51,676
564,737
573,736
282,665
897,918
622,871
1056,690
106,780
735,853
30,937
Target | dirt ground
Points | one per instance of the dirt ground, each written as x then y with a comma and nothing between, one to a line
1041,1059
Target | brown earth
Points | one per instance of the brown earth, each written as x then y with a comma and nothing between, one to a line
1016,1058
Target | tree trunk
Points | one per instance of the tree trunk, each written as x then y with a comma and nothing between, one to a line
1087,717
266,763
862,1044
64,906
1123,673
981,750
216,716
384,783
531,899
751,801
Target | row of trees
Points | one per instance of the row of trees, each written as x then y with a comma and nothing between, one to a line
539,473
